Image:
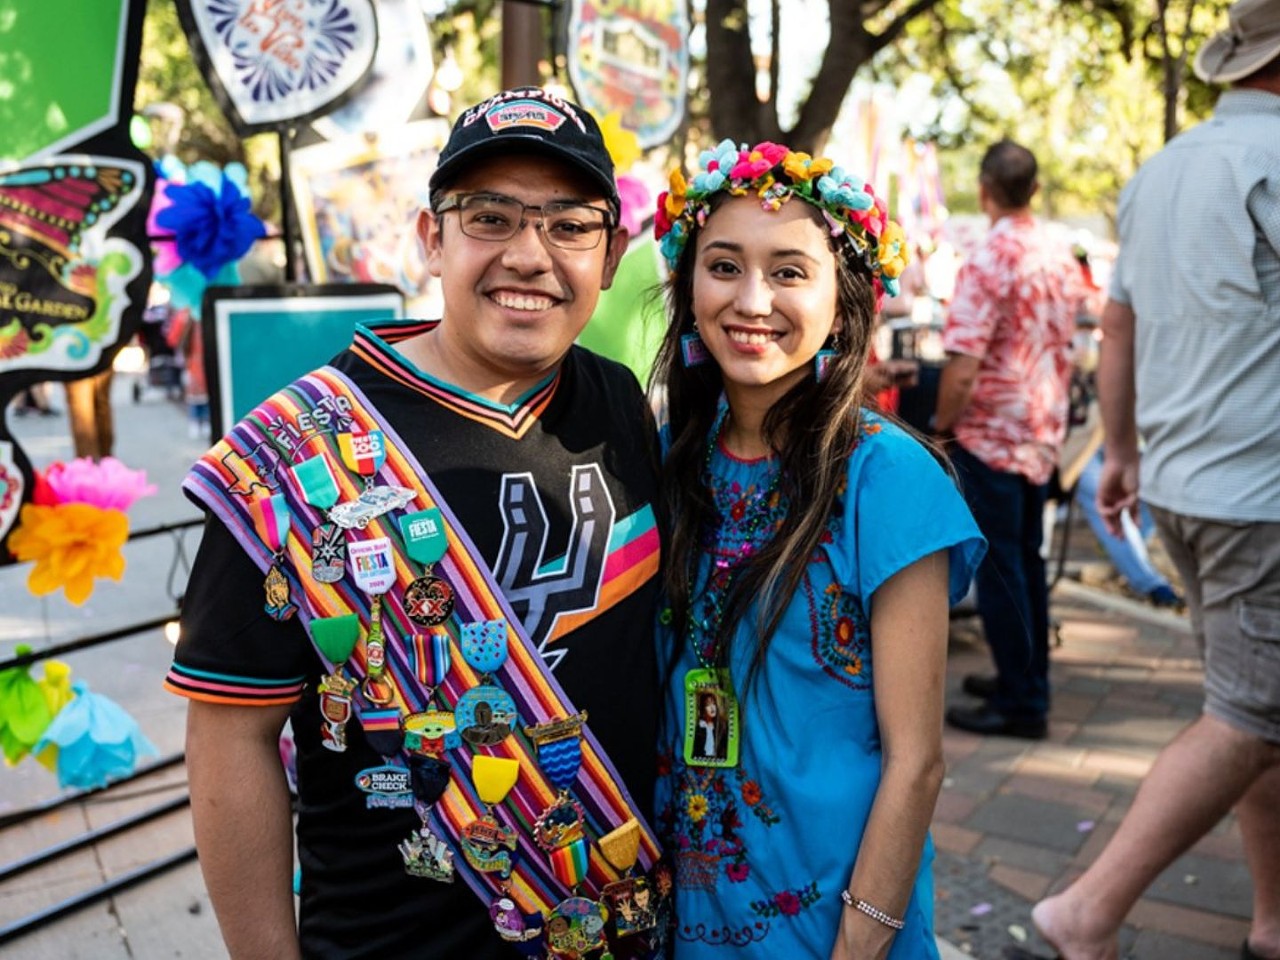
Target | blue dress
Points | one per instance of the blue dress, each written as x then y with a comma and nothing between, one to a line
762,850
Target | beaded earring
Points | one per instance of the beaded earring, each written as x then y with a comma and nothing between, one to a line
693,352
826,356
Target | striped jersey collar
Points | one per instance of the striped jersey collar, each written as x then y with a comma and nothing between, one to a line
374,344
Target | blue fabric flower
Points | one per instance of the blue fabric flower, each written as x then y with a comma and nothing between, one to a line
97,741
212,226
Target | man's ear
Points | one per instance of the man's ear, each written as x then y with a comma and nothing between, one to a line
613,256
429,232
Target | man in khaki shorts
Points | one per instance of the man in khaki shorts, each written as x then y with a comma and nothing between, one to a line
1191,360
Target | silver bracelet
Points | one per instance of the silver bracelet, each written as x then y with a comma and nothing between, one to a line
875,913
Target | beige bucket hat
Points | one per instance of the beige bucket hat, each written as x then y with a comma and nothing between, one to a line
1251,41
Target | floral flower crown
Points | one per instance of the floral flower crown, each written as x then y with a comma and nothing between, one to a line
776,173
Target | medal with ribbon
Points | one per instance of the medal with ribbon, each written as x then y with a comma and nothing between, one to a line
428,600
314,477
632,902
431,732
486,714
487,845
363,453
559,829
425,854
336,638
272,515
373,565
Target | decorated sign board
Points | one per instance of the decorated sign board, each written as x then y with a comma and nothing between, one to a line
244,328
631,57
274,63
75,265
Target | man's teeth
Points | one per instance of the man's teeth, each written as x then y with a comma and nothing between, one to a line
755,339
523,301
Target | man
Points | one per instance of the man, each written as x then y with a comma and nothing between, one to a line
437,741
1190,361
1004,396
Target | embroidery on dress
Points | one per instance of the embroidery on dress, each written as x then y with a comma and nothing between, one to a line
787,903
841,635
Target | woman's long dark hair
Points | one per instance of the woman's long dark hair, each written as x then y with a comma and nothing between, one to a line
811,430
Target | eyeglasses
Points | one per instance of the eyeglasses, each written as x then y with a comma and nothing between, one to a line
564,223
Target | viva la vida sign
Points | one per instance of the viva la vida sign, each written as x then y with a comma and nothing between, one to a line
272,63
631,57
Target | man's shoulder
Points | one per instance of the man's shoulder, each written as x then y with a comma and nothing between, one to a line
599,372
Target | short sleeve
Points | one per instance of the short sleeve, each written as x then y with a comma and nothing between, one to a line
902,506
971,320
1118,288
230,651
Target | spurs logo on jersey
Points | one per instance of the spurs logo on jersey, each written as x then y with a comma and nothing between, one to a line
541,589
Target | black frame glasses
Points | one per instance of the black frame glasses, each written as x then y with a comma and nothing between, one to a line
565,224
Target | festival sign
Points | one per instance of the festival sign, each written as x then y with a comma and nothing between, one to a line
631,57
75,265
272,63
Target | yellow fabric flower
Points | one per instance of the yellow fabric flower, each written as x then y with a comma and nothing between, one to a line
675,194
71,544
697,807
623,145
894,252
800,166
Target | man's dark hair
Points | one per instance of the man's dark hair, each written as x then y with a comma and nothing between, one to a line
1268,71
1009,173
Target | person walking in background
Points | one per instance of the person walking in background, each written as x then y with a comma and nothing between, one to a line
1003,395
1190,362
807,602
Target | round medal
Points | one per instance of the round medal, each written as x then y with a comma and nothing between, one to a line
428,601
486,715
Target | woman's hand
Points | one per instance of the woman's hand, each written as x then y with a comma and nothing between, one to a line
859,937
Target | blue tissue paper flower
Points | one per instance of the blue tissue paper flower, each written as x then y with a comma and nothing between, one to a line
212,226
97,741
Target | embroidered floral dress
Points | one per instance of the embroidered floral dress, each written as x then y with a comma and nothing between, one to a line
762,851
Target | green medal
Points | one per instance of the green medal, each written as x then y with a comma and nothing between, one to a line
428,600
336,638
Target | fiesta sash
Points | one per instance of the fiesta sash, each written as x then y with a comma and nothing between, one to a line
253,463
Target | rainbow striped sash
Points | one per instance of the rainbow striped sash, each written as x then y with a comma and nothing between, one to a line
252,463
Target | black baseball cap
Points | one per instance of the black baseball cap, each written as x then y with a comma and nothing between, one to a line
528,120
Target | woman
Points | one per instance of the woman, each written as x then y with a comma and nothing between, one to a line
822,546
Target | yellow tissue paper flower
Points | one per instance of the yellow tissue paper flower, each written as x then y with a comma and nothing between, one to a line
71,544
56,687
623,145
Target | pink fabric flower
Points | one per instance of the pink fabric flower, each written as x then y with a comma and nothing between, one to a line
165,257
636,199
737,872
108,484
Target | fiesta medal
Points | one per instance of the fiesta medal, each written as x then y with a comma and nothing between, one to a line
428,600
314,477
328,553
363,453
272,516
487,845
576,927
336,638
424,854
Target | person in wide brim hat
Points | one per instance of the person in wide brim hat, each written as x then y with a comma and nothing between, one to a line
1251,41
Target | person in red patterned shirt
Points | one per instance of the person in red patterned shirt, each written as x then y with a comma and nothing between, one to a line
1003,396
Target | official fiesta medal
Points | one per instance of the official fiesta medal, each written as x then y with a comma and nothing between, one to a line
488,846
373,565
559,830
425,854
273,525
428,600
486,713
336,638
314,477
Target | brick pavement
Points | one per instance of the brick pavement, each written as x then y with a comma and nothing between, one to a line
1019,819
